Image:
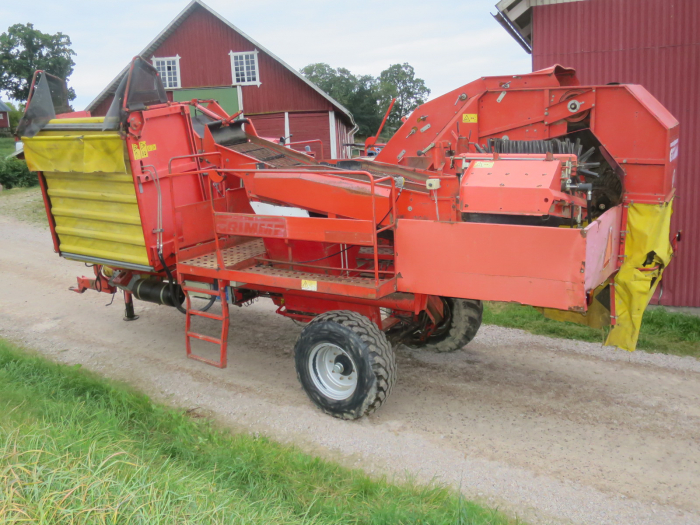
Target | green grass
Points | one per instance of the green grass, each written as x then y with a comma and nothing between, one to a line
7,146
24,204
77,449
662,331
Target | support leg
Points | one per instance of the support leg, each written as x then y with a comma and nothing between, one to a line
129,307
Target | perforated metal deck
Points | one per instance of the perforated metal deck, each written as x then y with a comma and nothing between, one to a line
382,250
312,277
234,257
241,267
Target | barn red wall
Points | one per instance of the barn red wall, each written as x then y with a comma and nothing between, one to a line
303,126
203,43
655,43
102,108
269,126
4,120
311,126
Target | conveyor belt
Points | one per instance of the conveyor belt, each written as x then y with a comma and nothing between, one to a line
279,157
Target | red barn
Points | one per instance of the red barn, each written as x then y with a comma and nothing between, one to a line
202,55
4,116
655,43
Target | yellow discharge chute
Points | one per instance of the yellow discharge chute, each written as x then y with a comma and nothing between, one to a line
76,152
91,193
647,253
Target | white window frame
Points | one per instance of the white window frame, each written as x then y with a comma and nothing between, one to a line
233,55
176,58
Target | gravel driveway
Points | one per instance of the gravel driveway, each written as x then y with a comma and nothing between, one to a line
549,430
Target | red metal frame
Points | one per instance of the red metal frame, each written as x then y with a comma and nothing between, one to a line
221,341
393,234
314,141
372,141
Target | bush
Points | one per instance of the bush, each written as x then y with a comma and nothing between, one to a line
15,174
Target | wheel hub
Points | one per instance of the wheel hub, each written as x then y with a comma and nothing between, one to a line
333,371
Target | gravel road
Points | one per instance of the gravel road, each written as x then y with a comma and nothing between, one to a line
551,431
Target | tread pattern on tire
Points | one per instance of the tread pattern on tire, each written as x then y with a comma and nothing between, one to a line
381,355
466,320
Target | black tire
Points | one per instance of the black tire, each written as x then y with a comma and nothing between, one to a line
460,328
371,355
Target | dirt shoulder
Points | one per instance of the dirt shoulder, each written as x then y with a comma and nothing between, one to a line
554,431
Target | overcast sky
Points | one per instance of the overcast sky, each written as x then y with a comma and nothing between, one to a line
448,42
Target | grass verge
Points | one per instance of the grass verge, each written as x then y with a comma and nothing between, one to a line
662,331
7,146
24,204
77,449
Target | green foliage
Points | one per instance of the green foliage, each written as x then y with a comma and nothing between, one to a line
368,98
15,114
662,331
359,94
77,449
15,174
23,50
399,81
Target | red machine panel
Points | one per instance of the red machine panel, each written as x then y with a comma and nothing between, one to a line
521,187
495,262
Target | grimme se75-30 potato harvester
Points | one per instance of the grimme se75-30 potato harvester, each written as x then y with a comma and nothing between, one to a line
528,188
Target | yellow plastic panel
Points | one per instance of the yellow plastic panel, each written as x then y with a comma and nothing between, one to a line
75,151
97,215
649,227
597,315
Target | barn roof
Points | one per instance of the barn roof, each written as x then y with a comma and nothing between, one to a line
3,107
170,29
516,17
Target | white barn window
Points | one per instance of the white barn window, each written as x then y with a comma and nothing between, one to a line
244,68
169,70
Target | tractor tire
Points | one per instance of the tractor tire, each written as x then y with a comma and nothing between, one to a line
463,324
345,364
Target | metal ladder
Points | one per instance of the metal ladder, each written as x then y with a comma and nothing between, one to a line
224,318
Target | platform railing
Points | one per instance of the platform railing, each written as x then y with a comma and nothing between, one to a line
336,173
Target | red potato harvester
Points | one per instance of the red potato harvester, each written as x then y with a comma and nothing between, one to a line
531,189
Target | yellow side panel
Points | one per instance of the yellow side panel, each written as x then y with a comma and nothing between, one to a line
597,315
79,120
97,215
649,227
77,151
93,200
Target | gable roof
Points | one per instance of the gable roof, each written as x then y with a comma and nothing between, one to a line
516,17
3,107
170,29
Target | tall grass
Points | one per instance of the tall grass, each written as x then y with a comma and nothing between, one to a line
76,449
662,331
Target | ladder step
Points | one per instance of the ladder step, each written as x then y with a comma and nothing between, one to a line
207,315
203,337
217,364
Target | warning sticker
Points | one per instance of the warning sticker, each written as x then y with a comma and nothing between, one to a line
141,150
674,150
470,118
483,164
311,286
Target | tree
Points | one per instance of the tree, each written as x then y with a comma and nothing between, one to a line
399,81
358,94
23,50
367,97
